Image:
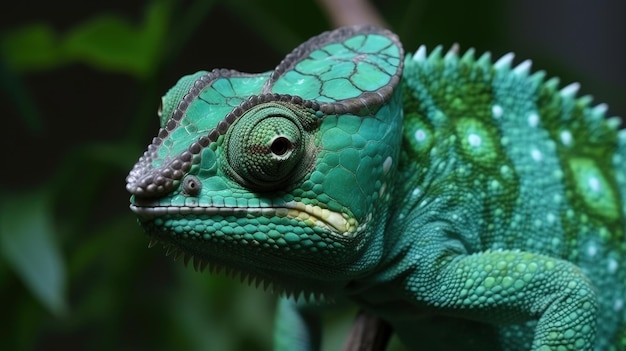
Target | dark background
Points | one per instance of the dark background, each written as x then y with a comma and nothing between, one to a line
79,87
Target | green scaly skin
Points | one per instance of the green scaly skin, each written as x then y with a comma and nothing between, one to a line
472,204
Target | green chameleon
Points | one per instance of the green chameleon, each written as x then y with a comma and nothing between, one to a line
471,204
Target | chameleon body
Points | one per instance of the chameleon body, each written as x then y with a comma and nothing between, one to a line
470,203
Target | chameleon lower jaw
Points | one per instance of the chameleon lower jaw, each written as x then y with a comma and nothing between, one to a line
333,222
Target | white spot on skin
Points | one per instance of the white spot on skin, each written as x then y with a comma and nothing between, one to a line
612,265
618,305
592,250
533,119
494,185
416,191
536,155
505,171
382,190
566,137
497,111
420,135
550,217
594,184
474,140
387,164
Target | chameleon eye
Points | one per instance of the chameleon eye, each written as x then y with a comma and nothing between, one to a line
281,147
264,148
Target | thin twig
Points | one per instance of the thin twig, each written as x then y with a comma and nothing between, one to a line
351,12
368,333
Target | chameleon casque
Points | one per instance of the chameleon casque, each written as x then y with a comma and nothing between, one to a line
470,203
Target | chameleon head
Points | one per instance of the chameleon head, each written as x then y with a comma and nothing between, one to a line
279,175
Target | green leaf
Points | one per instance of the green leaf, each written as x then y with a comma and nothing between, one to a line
108,42
13,87
29,245
112,43
31,48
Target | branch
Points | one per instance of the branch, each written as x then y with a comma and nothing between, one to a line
350,12
368,333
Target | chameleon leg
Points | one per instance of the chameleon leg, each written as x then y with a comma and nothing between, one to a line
297,328
511,287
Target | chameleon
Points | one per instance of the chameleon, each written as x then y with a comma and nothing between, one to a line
470,202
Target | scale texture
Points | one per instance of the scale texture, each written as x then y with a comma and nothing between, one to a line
471,203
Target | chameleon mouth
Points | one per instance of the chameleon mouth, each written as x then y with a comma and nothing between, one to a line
312,215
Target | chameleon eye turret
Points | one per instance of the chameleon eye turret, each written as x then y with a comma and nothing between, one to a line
270,146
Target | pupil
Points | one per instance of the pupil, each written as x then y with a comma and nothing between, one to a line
280,146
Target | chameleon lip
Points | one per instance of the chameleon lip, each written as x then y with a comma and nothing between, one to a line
321,217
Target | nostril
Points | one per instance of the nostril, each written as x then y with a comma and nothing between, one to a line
192,185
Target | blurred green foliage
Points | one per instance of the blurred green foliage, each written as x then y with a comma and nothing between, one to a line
74,270
106,42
